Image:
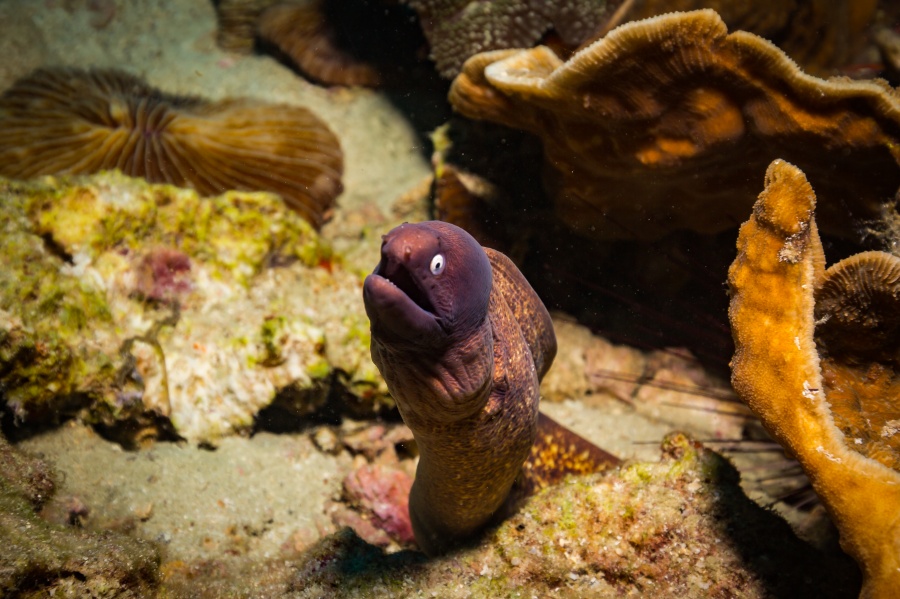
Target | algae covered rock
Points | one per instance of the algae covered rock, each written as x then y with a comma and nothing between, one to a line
39,559
124,299
681,527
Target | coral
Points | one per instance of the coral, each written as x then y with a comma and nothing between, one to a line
71,121
858,336
680,114
237,23
302,31
818,34
457,29
123,298
816,359
39,559
330,41
677,527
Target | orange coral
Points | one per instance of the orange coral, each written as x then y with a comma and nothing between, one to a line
826,389
662,124
70,121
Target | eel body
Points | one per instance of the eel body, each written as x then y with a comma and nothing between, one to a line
463,341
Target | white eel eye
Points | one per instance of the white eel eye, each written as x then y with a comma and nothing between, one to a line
437,264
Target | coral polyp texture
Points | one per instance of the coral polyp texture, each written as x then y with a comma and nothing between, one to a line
816,358
665,123
70,121
457,29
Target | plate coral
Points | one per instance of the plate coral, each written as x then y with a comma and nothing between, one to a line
665,123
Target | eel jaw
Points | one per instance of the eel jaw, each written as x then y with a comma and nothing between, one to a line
399,309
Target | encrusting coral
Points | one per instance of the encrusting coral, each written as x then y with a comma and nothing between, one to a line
680,114
70,121
816,358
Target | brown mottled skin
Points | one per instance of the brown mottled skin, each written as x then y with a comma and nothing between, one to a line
462,340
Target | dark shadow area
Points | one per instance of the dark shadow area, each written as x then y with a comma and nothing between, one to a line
345,561
789,569
326,403
651,295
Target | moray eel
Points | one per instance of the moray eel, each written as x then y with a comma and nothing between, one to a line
463,341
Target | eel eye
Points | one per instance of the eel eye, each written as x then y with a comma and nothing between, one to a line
437,264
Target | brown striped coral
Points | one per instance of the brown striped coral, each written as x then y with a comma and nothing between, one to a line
302,31
71,121
237,23
662,124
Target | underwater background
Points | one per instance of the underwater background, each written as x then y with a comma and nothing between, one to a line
191,196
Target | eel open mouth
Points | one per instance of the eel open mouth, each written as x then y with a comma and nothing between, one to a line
399,276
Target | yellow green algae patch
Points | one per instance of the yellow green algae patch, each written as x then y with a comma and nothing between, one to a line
124,298
680,527
41,559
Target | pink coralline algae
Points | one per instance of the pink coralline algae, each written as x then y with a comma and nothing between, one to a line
381,495
163,275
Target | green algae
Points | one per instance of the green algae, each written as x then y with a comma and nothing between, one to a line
40,310
240,233
81,304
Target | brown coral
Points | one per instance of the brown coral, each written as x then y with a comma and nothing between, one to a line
302,31
662,124
826,389
71,121
237,23
858,335
332,42
457,29
818,34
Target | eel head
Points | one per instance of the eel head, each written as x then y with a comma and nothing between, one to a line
431,287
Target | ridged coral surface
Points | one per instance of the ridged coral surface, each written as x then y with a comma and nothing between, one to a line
71,121
666,123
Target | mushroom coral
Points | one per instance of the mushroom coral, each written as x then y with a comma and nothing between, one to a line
72,121
816,358
662,124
